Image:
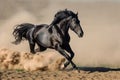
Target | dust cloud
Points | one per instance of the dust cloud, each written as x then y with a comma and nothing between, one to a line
10,59
99,47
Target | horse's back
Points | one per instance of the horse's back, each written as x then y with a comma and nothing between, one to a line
38,27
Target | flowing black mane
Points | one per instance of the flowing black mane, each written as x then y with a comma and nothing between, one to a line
62,14
67,12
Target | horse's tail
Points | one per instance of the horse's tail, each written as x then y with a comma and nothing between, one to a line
20,32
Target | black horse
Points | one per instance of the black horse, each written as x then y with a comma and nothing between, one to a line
53,36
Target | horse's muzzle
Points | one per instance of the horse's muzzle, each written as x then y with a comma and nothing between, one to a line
81,34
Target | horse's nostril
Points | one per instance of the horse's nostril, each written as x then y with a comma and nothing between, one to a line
81,34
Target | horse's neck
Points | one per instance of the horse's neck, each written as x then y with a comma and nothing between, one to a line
63,26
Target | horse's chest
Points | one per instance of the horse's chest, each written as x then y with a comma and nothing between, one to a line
56,38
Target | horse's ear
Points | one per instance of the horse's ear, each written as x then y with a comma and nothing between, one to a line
77,13
66,9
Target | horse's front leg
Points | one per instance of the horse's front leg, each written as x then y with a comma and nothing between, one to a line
62,52
70,51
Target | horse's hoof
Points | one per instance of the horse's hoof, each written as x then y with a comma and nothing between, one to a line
75,68
33,52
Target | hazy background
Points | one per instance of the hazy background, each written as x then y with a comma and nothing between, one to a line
100,20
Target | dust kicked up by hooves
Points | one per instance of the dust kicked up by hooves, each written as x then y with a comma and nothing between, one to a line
20,60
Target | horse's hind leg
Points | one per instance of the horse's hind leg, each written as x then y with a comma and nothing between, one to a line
41,48
32,46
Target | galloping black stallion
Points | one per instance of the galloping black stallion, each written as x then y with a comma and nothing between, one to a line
53,36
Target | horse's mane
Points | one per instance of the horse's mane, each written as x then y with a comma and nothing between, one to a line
62,14
66,11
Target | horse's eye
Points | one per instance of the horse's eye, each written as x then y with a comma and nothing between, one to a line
74,19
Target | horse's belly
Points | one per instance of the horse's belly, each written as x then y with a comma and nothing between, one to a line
43,39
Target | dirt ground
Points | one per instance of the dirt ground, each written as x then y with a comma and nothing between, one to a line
16,65
97,54
59,75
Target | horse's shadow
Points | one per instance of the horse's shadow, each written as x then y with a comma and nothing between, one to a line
98,69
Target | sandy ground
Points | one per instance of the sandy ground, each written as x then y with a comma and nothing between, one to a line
16,65
97,54
59,75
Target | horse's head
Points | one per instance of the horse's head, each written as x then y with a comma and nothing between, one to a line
75,25
67,15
